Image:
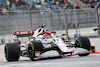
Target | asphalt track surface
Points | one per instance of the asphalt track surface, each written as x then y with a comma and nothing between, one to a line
93,60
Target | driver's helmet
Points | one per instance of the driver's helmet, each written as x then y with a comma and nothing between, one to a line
45,35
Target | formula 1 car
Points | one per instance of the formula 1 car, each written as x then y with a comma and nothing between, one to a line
45,44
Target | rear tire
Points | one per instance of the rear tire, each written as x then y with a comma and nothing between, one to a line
83,42
34,46
12,52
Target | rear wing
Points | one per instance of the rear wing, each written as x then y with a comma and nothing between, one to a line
24,33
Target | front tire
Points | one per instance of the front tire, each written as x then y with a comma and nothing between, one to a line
34,46
83,42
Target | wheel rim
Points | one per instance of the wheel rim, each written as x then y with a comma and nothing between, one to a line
31,51
78,43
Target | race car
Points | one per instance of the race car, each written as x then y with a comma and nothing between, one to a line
44,44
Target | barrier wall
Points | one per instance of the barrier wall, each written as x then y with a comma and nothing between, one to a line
2,57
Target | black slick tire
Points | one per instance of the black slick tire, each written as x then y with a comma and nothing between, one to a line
12,52
83,42
33,47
